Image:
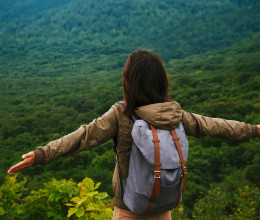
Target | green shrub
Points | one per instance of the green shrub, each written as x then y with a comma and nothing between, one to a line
90,204
10,197
58,199
247,203
212,206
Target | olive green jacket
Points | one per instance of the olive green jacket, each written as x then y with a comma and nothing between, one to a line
115,123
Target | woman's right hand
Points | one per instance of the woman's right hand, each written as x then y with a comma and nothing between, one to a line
28,160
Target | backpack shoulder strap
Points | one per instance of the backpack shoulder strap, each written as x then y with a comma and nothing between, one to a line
118,167
116,159
157,173
121,102
157,165
182,161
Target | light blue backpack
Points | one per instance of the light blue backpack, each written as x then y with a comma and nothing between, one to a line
157,172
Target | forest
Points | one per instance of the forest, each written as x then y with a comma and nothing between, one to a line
60,67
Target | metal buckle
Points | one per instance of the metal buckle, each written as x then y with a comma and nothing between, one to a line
185,170
157,177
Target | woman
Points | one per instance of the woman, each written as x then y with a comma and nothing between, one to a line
145,87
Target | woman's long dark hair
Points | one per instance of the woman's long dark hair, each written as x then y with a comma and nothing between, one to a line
144,80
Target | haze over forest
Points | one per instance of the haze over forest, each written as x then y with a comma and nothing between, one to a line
61,64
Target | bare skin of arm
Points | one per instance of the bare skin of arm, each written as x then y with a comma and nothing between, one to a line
28,161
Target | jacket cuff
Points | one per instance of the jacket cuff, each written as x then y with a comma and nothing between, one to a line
255,130
38,156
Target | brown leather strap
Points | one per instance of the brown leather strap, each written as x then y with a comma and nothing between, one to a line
158,164
150,203
157,173
182,161
179,192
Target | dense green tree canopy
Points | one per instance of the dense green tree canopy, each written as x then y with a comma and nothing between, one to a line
61,64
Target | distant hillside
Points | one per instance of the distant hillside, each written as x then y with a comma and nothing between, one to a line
224,83
34,110
49,32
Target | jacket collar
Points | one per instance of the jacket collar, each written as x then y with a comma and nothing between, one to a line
166,115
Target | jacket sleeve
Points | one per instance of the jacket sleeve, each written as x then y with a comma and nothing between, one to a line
87,136
198,125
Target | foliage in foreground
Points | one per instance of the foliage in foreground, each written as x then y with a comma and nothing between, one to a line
242,204
64,199
90,203
58,199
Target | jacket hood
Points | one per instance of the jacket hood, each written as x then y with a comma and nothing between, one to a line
166,115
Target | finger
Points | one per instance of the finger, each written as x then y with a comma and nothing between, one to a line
21,164
28,161
28,155
18,169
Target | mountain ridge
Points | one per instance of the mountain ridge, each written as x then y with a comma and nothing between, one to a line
174,29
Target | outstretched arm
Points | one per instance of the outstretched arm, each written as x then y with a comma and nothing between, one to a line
198,125
28,160
87,136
